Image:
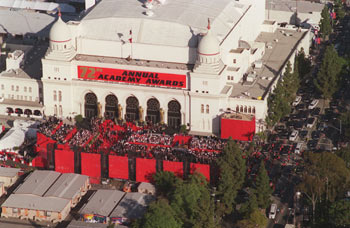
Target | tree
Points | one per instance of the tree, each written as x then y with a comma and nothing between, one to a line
166,182
328,75
262,188
339,213
325,23
345,118
249,206
304,64
344,154
339,9
159,215
232,175
255,220
192,203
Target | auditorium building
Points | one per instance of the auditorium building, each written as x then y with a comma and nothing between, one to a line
171,61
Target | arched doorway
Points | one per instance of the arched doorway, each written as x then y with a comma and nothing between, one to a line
153,114
174,114
132,109
111,108
90,105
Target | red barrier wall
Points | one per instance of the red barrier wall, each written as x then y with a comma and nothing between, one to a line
91,166
174,167
64,161
201,168
118,167
238,129
145,168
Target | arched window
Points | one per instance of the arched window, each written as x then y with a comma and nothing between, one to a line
241,109
60,110
202,108
60,95
254,110
237,108
245,109
55,110
207,109
54,95
250,109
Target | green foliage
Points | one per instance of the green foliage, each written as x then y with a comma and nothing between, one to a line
232,175
78,118
283,95
328,75
339,213
166,182
159,215
344,154
325,23
339,9
192,203
262,190
249,206
304,64
345,118
183,129
256,220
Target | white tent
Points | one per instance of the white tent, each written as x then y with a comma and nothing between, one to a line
13,138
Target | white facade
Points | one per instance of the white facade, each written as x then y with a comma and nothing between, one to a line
175,40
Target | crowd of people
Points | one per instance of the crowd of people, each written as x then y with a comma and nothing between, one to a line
148,141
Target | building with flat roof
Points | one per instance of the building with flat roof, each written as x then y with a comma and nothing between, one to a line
8,176
100,206
46,196
131,207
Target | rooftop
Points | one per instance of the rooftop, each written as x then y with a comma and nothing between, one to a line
175,23
291,6
281,47
20,103
132,206
135,62
8,172
238,116
67,186
35,202
102,202
38,182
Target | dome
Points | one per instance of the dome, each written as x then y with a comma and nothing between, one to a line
59,31
209,45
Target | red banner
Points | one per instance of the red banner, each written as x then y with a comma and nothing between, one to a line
64,161
118,167
174,167
133,77
201,168
91,164
145,169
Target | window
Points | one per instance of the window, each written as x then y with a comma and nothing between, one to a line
232,78
54,95
30,98
202,108
245,109
56,69
15,210
17,88
25,98
17,97
21,97
234,60
59,95
228,77
60,110
2,86
12,87
237,108
25,88
30,89
55,110
205,82
250,109
47,213
207,109
13,96
254,110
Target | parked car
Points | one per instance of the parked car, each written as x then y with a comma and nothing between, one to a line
293,136
313,104
298,148
311,122
296,101
273,211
